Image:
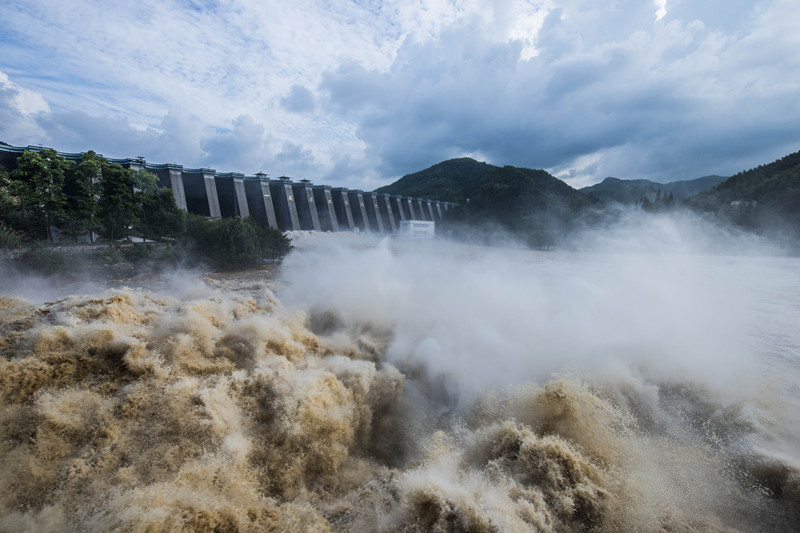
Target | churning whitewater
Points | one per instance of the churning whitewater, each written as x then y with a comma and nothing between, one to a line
384,386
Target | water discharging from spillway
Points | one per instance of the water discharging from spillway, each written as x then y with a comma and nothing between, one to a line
411,386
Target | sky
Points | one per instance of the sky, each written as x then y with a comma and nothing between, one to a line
358,93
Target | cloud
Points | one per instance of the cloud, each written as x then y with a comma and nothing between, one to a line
78,131
181,138
177,138
437,100
299,100
18,110
248,147
368,91
661,8
354,173
296,157
671,99
244,143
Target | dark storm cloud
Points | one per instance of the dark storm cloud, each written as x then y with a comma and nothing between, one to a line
669,99
630,88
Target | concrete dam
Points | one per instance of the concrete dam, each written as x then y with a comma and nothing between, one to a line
282,203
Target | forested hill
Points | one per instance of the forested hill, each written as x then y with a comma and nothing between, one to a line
762,198
443,181
529,204
632,191
686,188
450,181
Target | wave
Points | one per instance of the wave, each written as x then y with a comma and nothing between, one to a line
226,410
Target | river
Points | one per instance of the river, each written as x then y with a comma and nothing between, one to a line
380,385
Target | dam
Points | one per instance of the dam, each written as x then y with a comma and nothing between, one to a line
282,203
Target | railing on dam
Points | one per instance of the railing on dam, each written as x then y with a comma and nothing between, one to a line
282,203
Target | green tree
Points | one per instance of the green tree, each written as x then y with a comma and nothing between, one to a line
82,188
8,236
38,185
273,243
157,214
232,243
226,243
6,201
144,182
237,243
160,216
117,206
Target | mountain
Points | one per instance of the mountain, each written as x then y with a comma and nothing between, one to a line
535,207
686,188
531,205
450,180
443,181
632,191
765,198
622,191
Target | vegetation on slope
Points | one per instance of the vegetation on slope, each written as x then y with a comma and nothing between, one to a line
763,199
531,205
630,192
445,181
686,188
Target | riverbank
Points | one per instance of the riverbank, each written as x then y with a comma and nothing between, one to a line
39,274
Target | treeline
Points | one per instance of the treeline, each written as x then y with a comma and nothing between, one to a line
533,207
235,242
48,198
445,181
661,202
529,205
763,199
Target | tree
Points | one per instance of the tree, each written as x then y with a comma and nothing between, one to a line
38,184
273,243
157,214
8,236
160,216
117,205
6,200
227,243
235,242
82,188
144,182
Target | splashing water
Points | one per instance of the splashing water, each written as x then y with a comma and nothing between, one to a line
383,386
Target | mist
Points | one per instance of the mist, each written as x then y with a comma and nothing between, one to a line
673,316
643,377
480,318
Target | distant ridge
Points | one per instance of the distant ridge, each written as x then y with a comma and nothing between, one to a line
632,191
443,181
530,205
765,198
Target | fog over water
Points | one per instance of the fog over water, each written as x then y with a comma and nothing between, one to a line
644,379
